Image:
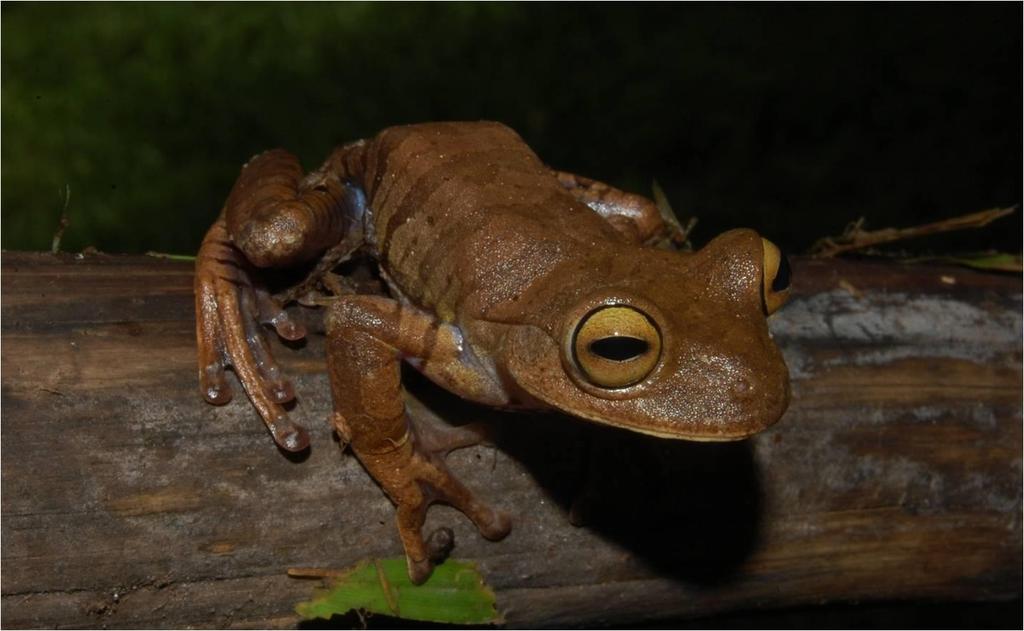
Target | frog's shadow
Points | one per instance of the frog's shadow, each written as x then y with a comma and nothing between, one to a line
689,510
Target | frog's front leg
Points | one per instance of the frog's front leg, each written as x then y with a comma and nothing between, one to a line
367,338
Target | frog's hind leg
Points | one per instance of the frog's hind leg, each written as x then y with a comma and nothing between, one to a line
448,439
274,217
279,217
229,311
638,218
366,341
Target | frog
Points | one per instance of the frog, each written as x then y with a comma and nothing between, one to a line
507,283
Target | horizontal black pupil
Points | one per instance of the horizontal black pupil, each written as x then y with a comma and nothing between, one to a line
619,348
782,276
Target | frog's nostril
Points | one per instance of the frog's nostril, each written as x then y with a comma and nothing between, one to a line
741,386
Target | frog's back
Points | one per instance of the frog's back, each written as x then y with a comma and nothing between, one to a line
467,212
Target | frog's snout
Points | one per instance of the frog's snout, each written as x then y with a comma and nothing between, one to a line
746,397
764,398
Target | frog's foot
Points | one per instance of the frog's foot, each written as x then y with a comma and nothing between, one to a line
444,439
229,312
424,479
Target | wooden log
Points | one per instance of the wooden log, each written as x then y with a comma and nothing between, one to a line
128,501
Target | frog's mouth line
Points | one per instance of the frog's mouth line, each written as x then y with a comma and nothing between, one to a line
698,438
649,431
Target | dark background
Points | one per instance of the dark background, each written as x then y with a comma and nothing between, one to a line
792,119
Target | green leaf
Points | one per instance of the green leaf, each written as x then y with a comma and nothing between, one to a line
172,257
455,594
990,261
996,262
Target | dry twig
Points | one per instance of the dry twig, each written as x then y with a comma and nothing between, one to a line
856,238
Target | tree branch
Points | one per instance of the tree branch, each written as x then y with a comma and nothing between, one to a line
128,501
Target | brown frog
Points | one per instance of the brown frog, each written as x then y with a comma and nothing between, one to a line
509,284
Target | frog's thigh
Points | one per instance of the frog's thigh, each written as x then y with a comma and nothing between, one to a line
635,216
436,349
279,217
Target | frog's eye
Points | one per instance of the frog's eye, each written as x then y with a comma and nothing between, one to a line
615,347
775,289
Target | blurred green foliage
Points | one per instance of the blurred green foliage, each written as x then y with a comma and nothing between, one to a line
792,119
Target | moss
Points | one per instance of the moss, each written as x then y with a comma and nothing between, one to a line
791,119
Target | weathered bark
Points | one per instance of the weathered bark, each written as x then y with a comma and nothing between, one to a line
128,501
